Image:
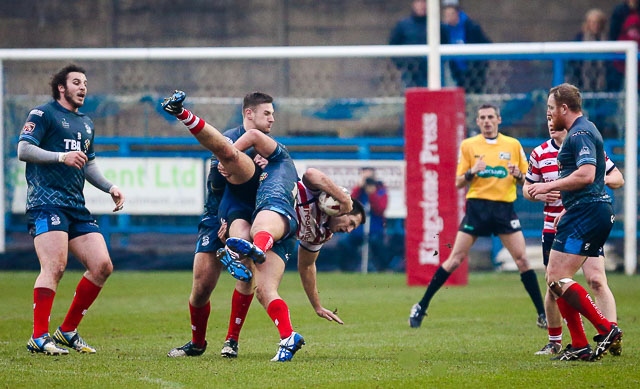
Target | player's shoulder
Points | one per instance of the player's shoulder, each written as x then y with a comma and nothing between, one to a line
544,148
508,139
472,140
42,110
234,133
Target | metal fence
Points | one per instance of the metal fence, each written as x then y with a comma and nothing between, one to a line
321,93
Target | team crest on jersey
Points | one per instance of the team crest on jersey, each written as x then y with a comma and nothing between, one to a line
505,155
87,143
263,176
28,127
64,123
55,220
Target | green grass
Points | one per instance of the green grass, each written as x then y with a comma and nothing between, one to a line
481,335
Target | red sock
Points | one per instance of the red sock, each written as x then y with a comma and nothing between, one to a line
555,334
574,324
263,240
86,294
199,320
580,300
278,311
240,304
193,122
42,303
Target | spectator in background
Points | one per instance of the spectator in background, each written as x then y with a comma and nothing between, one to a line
630,32
590,75
618,17
372,193
412,30
469,75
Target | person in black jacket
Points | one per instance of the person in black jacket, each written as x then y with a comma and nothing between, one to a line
470,75
412,30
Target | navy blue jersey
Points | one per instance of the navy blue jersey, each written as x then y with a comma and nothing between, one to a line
278,187
54,128
583,145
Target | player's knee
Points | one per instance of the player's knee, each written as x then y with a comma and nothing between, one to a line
596,283
102,270
557,286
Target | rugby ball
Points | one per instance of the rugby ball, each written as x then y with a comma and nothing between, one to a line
328,204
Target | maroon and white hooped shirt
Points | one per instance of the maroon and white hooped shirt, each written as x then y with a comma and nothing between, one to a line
313,231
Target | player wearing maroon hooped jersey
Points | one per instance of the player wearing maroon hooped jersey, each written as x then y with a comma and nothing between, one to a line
314,229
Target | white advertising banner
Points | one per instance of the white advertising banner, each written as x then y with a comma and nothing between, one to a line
152,186
176,186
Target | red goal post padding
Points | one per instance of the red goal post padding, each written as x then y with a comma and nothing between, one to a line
434,127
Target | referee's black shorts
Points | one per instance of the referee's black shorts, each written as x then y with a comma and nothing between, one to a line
487,217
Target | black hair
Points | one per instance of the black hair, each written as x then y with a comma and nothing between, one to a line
358,209
252,100
60,78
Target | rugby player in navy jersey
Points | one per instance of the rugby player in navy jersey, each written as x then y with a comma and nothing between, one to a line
56,143
543,167
585,225
219,205
274,221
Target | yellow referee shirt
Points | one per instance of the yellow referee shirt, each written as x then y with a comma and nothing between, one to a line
494,182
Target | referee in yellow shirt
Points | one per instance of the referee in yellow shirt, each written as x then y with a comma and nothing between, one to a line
492,164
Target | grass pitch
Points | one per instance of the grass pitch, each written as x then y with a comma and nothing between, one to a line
482,335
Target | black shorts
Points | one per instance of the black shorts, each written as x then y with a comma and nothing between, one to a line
584,229
487,217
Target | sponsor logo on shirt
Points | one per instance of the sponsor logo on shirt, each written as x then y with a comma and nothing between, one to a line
64,123
505,155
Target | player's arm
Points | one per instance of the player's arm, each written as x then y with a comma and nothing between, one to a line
28,152
470,174
316,180
583,176
525,191
97,179
307,269
262,143
614,179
